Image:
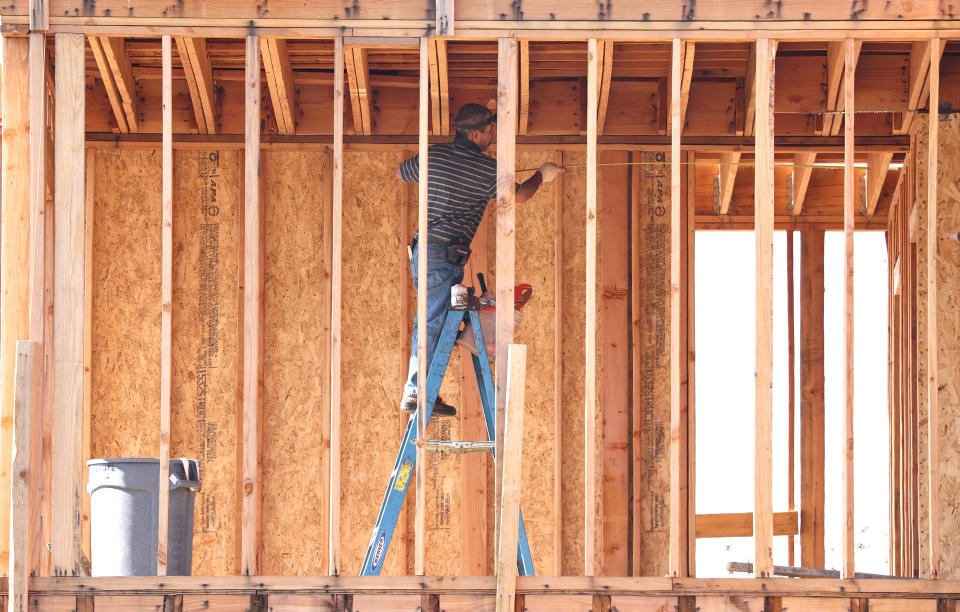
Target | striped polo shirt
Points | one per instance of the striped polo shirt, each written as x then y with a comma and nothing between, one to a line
461,181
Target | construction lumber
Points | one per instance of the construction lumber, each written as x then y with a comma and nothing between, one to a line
678,553
277,67
89,214
445,20
110,84
688,53
750,90
614,210
509,530
434,93
800,180
38,179
67,501
605,80
636,354
114,51
422,365
811,399
24,407
801,572
933,415
729,164
524,119
590,317
14,242
252,320
740,525
358,77
39,15
199,76
166,307
763,223
847,550
878,165
918,84
327,377
791,392
688,374
336,285
836,69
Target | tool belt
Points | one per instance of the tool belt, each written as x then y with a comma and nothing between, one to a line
458,252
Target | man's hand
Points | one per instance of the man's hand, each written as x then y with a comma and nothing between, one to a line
549,171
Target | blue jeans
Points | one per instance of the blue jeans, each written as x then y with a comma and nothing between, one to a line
441,276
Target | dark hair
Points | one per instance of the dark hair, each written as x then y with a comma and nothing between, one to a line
472,117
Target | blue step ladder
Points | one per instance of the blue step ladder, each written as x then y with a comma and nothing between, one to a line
407,457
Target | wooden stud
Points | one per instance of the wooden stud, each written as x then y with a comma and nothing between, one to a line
933,415
279,74
252,327
763,219
524,86
558,261
878,164
614,210
199,76
510,492
39,15
114,50
841,101
67,499
689,435
847,550
422,365
802,171
89,204
507,62
678,553
729,164
166,299
637,359
590,337
110,84
741,525
24,407
445,21
327,374
336,285
791,394
605,49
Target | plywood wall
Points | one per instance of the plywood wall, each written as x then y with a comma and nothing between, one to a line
378,303
947,312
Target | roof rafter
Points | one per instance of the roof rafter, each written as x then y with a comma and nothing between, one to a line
114,50
834,117
729,164
106,75
524,87
878,165
199,75
279,72
750,88
605,49
800,181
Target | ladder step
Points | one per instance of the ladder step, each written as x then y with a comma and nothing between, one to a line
455,446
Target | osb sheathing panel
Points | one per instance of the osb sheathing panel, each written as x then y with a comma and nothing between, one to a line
125,361
948,346
207,245
296,332
126,326
208,204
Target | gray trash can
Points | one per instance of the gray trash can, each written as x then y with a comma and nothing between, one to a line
123,516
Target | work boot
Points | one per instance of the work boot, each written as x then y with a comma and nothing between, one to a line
440,407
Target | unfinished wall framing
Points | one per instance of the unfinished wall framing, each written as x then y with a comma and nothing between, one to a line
290,297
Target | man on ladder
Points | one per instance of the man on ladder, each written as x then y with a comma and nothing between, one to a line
462,180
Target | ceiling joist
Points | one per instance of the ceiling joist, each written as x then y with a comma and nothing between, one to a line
729,163
799,181
524,120
750,88
605,49
878,165
199,76
106,75
833,119
276,64
118,65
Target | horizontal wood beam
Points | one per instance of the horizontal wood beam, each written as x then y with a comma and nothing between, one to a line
740,525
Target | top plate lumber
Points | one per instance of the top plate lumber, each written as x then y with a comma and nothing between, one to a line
69,291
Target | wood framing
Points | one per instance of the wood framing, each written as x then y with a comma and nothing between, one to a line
277,67
67,491
558,261
422,365
763,219
166,307
336,307
741,525
849,65
933,415
729,164
836,72
791,393
604,81
110,84
358,76
678,552
811,400
510,491
590,317
23,410
878,165
800,180
689,47
252,319
195,62
524,117
115,54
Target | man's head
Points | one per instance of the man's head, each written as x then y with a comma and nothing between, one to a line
477,124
